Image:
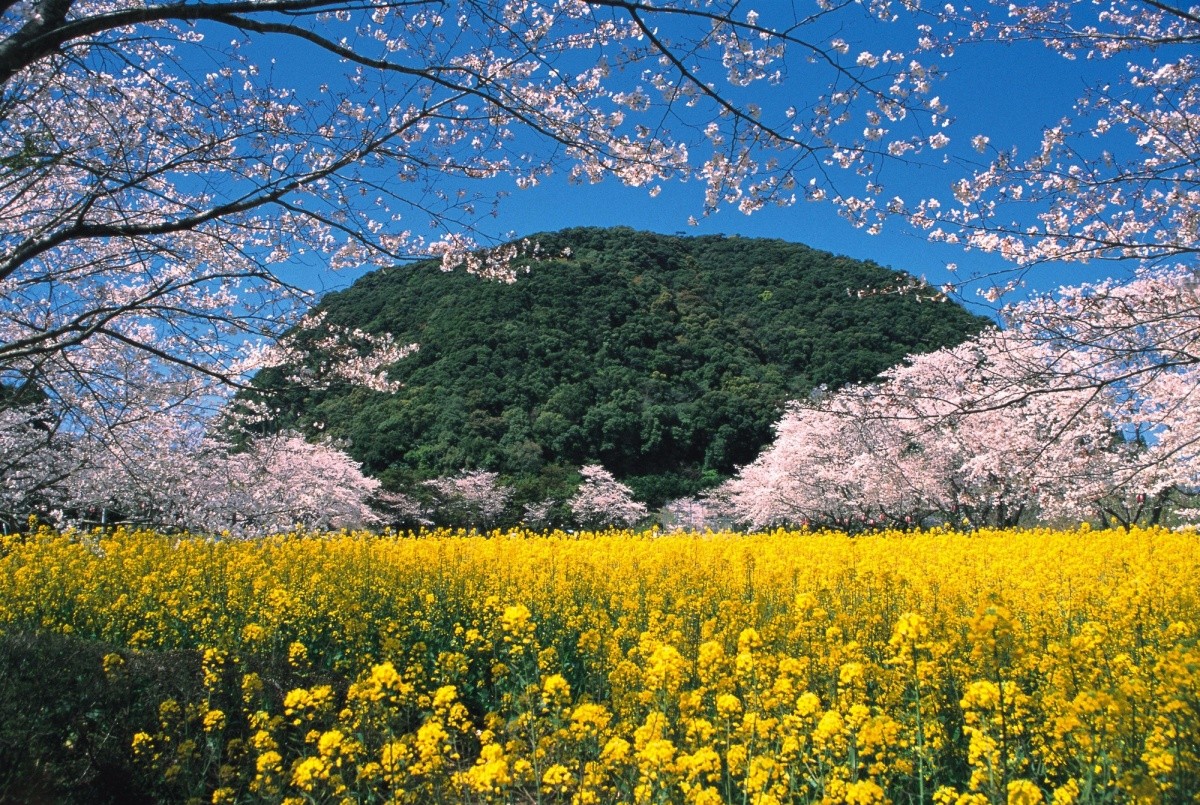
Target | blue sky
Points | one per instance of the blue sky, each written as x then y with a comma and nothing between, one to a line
1009,93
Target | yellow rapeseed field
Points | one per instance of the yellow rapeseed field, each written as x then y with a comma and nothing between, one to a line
992,666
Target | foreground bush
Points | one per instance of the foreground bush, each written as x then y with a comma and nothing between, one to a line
784,667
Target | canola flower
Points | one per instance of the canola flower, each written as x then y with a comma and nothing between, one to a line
995,666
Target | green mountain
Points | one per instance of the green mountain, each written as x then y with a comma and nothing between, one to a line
666,359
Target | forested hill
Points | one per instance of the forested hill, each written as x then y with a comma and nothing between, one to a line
666,359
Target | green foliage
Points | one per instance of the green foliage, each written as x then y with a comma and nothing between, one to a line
66,726
666,359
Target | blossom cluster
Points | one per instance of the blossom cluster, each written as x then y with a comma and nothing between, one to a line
1019,666
1084,406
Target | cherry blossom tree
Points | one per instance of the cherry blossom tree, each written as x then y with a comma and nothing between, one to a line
989,435
539,515
801,478
474,499
1085,404
1115,178
166,476
34,464
154,471
289,482
1132,349
695,515
164,166
1112,179
400,510
602,500
1083,407
160,176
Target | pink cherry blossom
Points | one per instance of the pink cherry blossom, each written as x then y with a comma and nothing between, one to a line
602,500
471,499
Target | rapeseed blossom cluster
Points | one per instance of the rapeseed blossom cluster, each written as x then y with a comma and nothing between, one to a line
996,666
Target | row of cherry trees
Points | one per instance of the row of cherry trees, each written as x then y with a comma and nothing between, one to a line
479,499
160,177
166,474
1087,406
174,478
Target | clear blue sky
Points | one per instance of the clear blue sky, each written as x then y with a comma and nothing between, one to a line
1009,93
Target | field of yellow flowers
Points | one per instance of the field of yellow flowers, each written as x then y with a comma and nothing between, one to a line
993,666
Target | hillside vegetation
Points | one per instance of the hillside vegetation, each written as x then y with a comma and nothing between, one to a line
666,359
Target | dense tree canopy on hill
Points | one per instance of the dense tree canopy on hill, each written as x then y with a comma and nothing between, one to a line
665,359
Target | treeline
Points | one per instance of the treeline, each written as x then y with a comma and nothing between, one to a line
665,359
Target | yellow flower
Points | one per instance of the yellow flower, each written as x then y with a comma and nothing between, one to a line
522,770
302,704
253,633
491,773
142,743
700,731
330,743
807,704
758,776
850,673
982,694
298,655
829,729
1056,644
557,779
309,773
1066,794
656,756
516,622
616,750
214,720
704,764
269,767
433,748
556,690
213,665
735,758
728,705
708,659
1024,792
262,741
864,792
269,762
252,686
590,719
444,696
112,664
749,640
383,685
394,760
